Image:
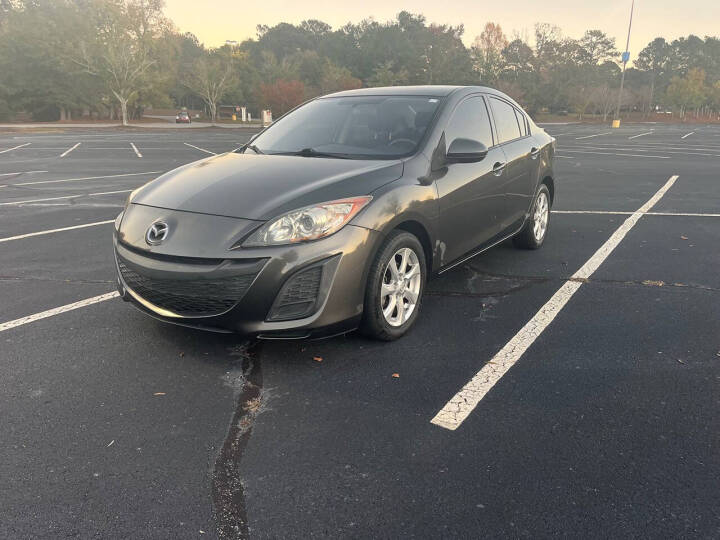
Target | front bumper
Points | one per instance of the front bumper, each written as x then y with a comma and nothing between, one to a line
258,276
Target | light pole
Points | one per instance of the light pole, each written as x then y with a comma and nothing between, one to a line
625,58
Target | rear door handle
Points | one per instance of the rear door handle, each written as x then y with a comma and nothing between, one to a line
534,152
498,168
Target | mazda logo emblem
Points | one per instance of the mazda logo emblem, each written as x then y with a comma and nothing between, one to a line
156,233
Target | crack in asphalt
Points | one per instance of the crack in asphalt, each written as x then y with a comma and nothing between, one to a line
58,280
228,494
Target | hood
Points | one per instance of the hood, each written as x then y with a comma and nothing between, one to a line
260,187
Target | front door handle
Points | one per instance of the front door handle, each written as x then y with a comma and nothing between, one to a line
498,168
534,152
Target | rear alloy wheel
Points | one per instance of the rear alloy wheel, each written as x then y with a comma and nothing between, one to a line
395,285
533,233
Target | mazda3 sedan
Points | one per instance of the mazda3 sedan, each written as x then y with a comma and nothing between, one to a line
335,216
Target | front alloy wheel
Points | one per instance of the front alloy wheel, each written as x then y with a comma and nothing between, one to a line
395,285
400,287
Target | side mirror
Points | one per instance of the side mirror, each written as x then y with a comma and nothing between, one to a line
466,151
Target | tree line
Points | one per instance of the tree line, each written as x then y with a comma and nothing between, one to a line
60,59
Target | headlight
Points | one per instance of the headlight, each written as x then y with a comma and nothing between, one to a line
309,223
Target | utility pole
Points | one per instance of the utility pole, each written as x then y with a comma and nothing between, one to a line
625,58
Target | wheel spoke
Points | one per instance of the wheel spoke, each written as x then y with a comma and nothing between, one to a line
385,290
400,310
404,261
392,265
411,296
413,271
388,311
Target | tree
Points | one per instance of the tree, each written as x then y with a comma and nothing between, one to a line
596,47
121,64
210,77
653,59
487,52
688,92
282,95
386,75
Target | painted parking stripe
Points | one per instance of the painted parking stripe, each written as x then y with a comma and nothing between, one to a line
29,201
66,152
621,213
84,178
14,148
57,311
201,149
611,153
455,411
641,135
20,172
687,135
51,231
137,152
645,149
591,136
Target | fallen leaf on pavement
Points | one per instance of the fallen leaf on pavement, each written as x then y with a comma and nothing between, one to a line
317,358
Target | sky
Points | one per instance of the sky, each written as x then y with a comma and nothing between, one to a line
215,21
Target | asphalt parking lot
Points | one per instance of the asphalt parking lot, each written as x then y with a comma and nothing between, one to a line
563,392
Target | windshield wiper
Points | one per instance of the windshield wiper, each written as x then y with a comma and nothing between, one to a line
311,152
251,147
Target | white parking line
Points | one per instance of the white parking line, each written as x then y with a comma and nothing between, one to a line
616,213
611,153
83,178
14,148
136,150
201,149
29,201
40,233
586,146
462,404
66,152
687,135
641,135
591,136
20,172
57,311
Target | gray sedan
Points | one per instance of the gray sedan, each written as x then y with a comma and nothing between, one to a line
335,216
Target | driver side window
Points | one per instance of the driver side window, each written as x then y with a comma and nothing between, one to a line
470,121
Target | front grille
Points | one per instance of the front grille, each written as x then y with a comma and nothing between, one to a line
195,297
298,296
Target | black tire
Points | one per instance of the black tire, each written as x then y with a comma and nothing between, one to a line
526,238
374,323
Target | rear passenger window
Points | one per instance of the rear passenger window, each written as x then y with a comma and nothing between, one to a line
505,120
470,121
524,129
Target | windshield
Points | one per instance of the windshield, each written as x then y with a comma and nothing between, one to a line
363,127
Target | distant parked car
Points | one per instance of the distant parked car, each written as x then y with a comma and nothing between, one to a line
335,216
182,118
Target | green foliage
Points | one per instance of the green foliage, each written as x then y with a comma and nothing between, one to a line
62,58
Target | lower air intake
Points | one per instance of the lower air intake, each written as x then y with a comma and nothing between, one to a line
298,297
188,297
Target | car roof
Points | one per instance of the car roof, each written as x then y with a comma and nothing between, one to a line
423,90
